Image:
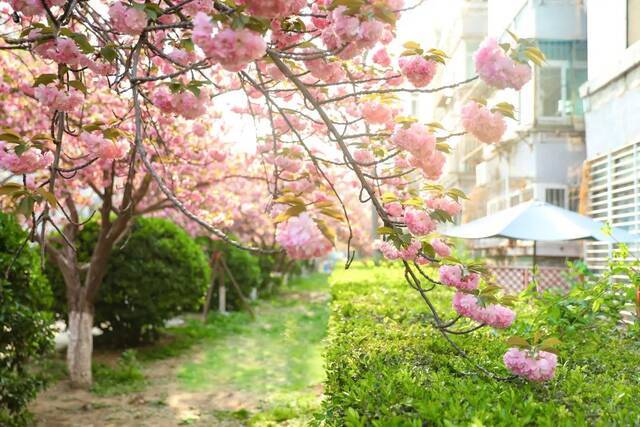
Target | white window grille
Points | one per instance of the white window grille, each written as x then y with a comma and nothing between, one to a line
614,197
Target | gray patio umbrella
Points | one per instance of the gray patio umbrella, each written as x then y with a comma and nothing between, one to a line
539,221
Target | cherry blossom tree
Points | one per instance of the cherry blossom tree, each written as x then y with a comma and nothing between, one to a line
118,109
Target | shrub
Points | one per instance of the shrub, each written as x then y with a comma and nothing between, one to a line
244,266
155,273
25,325
387,367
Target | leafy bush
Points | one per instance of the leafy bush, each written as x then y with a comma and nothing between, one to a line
387,367
157,272
244,266
25,325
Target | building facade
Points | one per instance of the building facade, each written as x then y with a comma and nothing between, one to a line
611,99
542,154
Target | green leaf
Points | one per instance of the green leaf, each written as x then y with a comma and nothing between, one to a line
333,213
411,45
80,39
187,44
10,137
389,197
517,341
108,53
112,133
290,199
291,212
77,84
385,230
326,230
10,188
49,197
44,79
550,343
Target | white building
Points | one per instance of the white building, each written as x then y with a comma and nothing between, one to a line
612,115
542,153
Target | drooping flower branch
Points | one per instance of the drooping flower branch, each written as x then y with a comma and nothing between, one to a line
136,108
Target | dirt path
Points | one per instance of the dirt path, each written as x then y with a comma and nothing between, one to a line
262,373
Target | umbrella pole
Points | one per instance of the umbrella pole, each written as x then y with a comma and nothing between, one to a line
534,272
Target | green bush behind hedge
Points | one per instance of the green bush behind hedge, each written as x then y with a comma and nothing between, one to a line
387,367
155,273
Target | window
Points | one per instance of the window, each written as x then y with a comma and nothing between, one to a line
555,196
633,21
559,81
551,91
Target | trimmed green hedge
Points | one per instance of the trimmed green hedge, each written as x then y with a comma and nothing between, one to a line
386,367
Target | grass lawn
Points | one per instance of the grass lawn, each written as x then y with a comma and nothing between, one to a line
230,371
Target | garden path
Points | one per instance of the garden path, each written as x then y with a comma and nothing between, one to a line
230,372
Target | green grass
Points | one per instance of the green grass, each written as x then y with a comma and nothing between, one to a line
123,378
277,356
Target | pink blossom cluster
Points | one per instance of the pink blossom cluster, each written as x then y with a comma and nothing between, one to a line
496,69
494,315
395,210
65,51
539,366
485,125
195,6
233,49
381,57
452,275
57,99
347,35
185,103
302,239
444,204
376,112
364,157
104,148
283,39
329,72
417,70
441,248
29,161
418,222
422,145
409,253
431,167
33,7
127,20
273,8
415,139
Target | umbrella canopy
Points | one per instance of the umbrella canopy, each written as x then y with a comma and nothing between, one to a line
539,221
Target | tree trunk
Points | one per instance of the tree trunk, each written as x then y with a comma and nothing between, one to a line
80,347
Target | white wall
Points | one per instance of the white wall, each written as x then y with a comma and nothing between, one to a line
607,34
612,118
612,93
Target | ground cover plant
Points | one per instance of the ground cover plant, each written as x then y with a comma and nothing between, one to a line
386,367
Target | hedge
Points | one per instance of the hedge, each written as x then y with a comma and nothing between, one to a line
387,367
